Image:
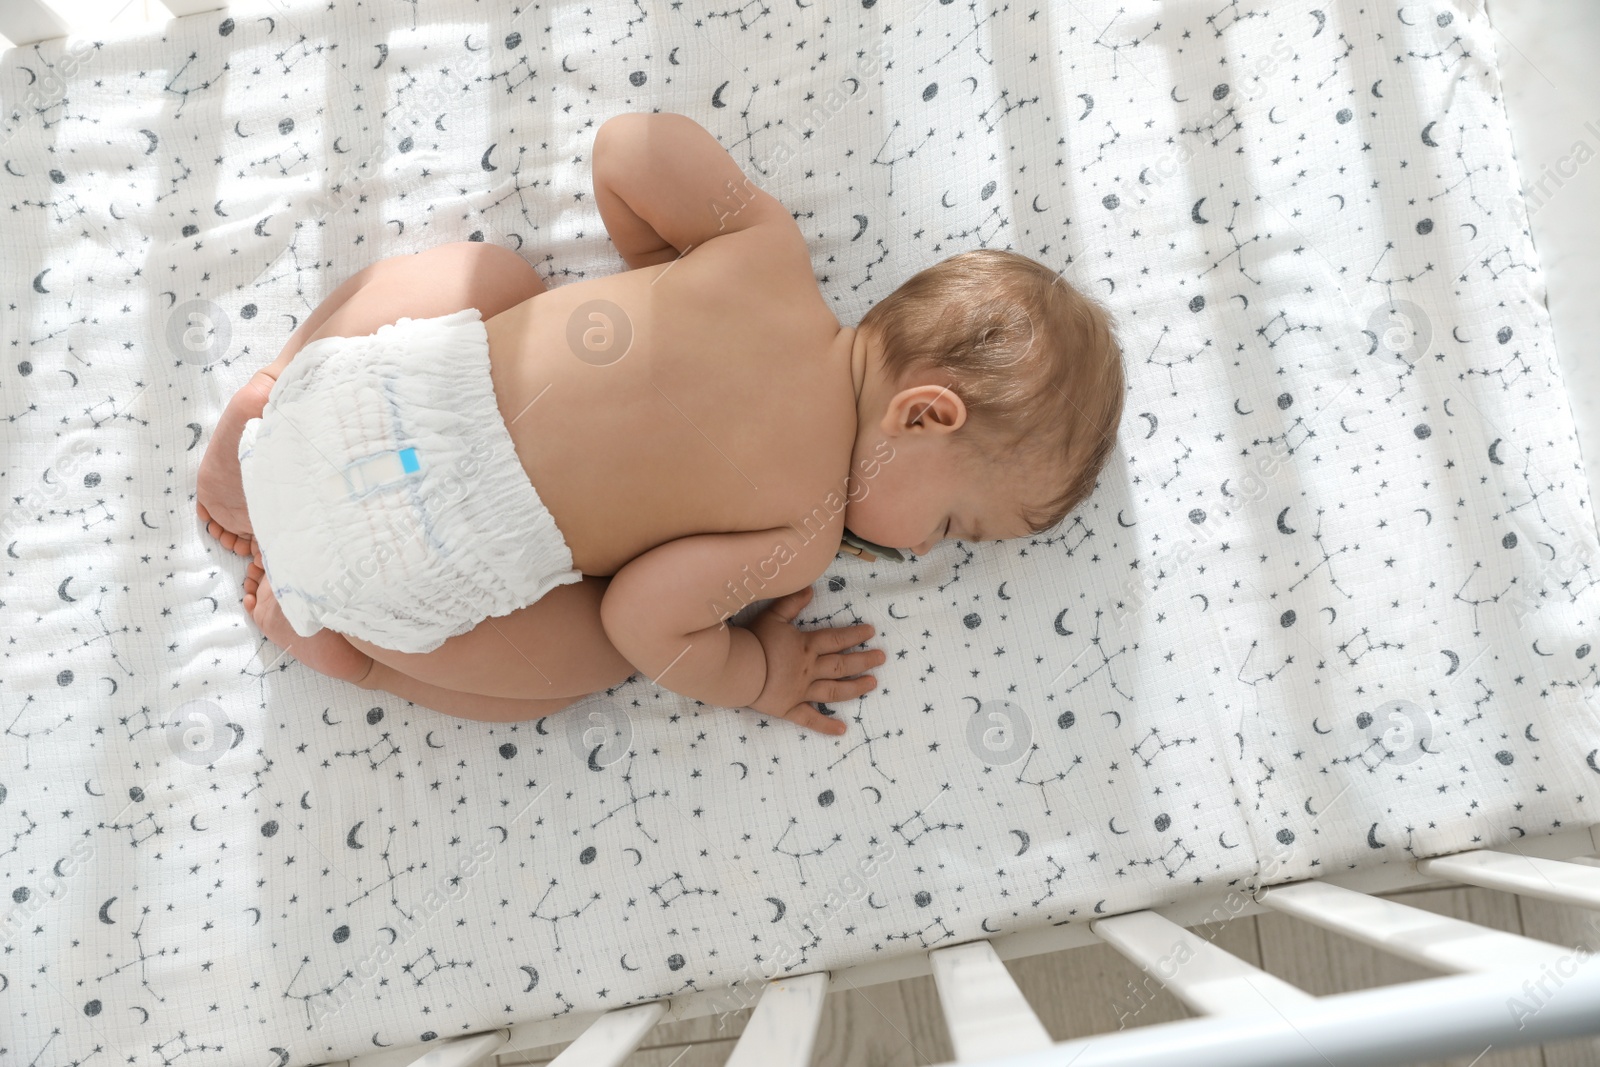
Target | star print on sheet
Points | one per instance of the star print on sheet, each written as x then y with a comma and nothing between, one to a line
1330,606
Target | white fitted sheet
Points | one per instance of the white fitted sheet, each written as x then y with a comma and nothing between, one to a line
1300,529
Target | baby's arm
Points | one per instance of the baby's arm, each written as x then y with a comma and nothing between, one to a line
664,185
666,612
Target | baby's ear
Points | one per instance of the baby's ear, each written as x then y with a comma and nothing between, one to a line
935,407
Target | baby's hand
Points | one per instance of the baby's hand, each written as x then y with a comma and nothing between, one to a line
807,665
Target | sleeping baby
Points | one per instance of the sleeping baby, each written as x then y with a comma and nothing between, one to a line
494,499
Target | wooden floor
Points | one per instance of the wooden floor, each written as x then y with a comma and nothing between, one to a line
1094,990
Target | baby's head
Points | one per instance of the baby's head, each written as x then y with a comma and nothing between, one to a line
990,401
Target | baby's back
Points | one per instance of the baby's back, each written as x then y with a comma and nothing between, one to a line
709,394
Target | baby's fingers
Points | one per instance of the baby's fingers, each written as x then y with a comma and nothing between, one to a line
828,689
838,638
808,716
848,664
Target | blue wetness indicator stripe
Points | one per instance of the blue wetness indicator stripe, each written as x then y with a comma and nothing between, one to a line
382,470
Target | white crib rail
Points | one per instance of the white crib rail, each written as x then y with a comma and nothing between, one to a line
1509,990
987,1014
1528,876
27,21
612,1037
24,22
783,1028
1396,1024
1200,974
1436,941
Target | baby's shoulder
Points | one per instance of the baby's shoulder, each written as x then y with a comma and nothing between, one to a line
774,251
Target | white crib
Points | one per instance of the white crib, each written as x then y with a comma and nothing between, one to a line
1502,989
1499,989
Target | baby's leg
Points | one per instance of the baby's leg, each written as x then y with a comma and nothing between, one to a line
555,648
427,284
332,654
462,705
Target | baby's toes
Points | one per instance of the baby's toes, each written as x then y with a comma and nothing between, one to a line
238,544
252,582
263,608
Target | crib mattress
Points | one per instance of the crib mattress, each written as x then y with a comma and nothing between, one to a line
1331,606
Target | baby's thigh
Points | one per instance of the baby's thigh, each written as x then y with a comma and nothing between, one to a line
555,647
437,281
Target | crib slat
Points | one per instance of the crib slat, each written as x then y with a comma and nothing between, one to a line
611,1038
29,21
783,1028
1199,973
1392,1025
191,7
1435,941
986,1013
463,1052
1564,883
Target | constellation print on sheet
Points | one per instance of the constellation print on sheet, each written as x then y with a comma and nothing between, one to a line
1337,60
1513,370
972,33
1234,17
555,919
1354,655
142,960
800,855
1105,663
1468,174
1476,602
414,969
1178,461
681,890
639,15
1454,45
305,999
1238,246
1159,747
1274,331
921,817
1326,560
1043,783
1116,47
1265,676
1228,121
27,736
991,121
633,802
1168,364
921,933
1071,536
878,157
1100,147
18,835
1390,282
994,123
1267,773
1511,262
1164,858
384,746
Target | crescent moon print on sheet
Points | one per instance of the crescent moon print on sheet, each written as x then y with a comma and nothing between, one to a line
1328,604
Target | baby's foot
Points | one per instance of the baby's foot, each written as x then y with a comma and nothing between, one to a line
219,490
325,652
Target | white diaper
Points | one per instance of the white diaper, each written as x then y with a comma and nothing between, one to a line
386,494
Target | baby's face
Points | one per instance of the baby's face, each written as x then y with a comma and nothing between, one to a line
911,492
